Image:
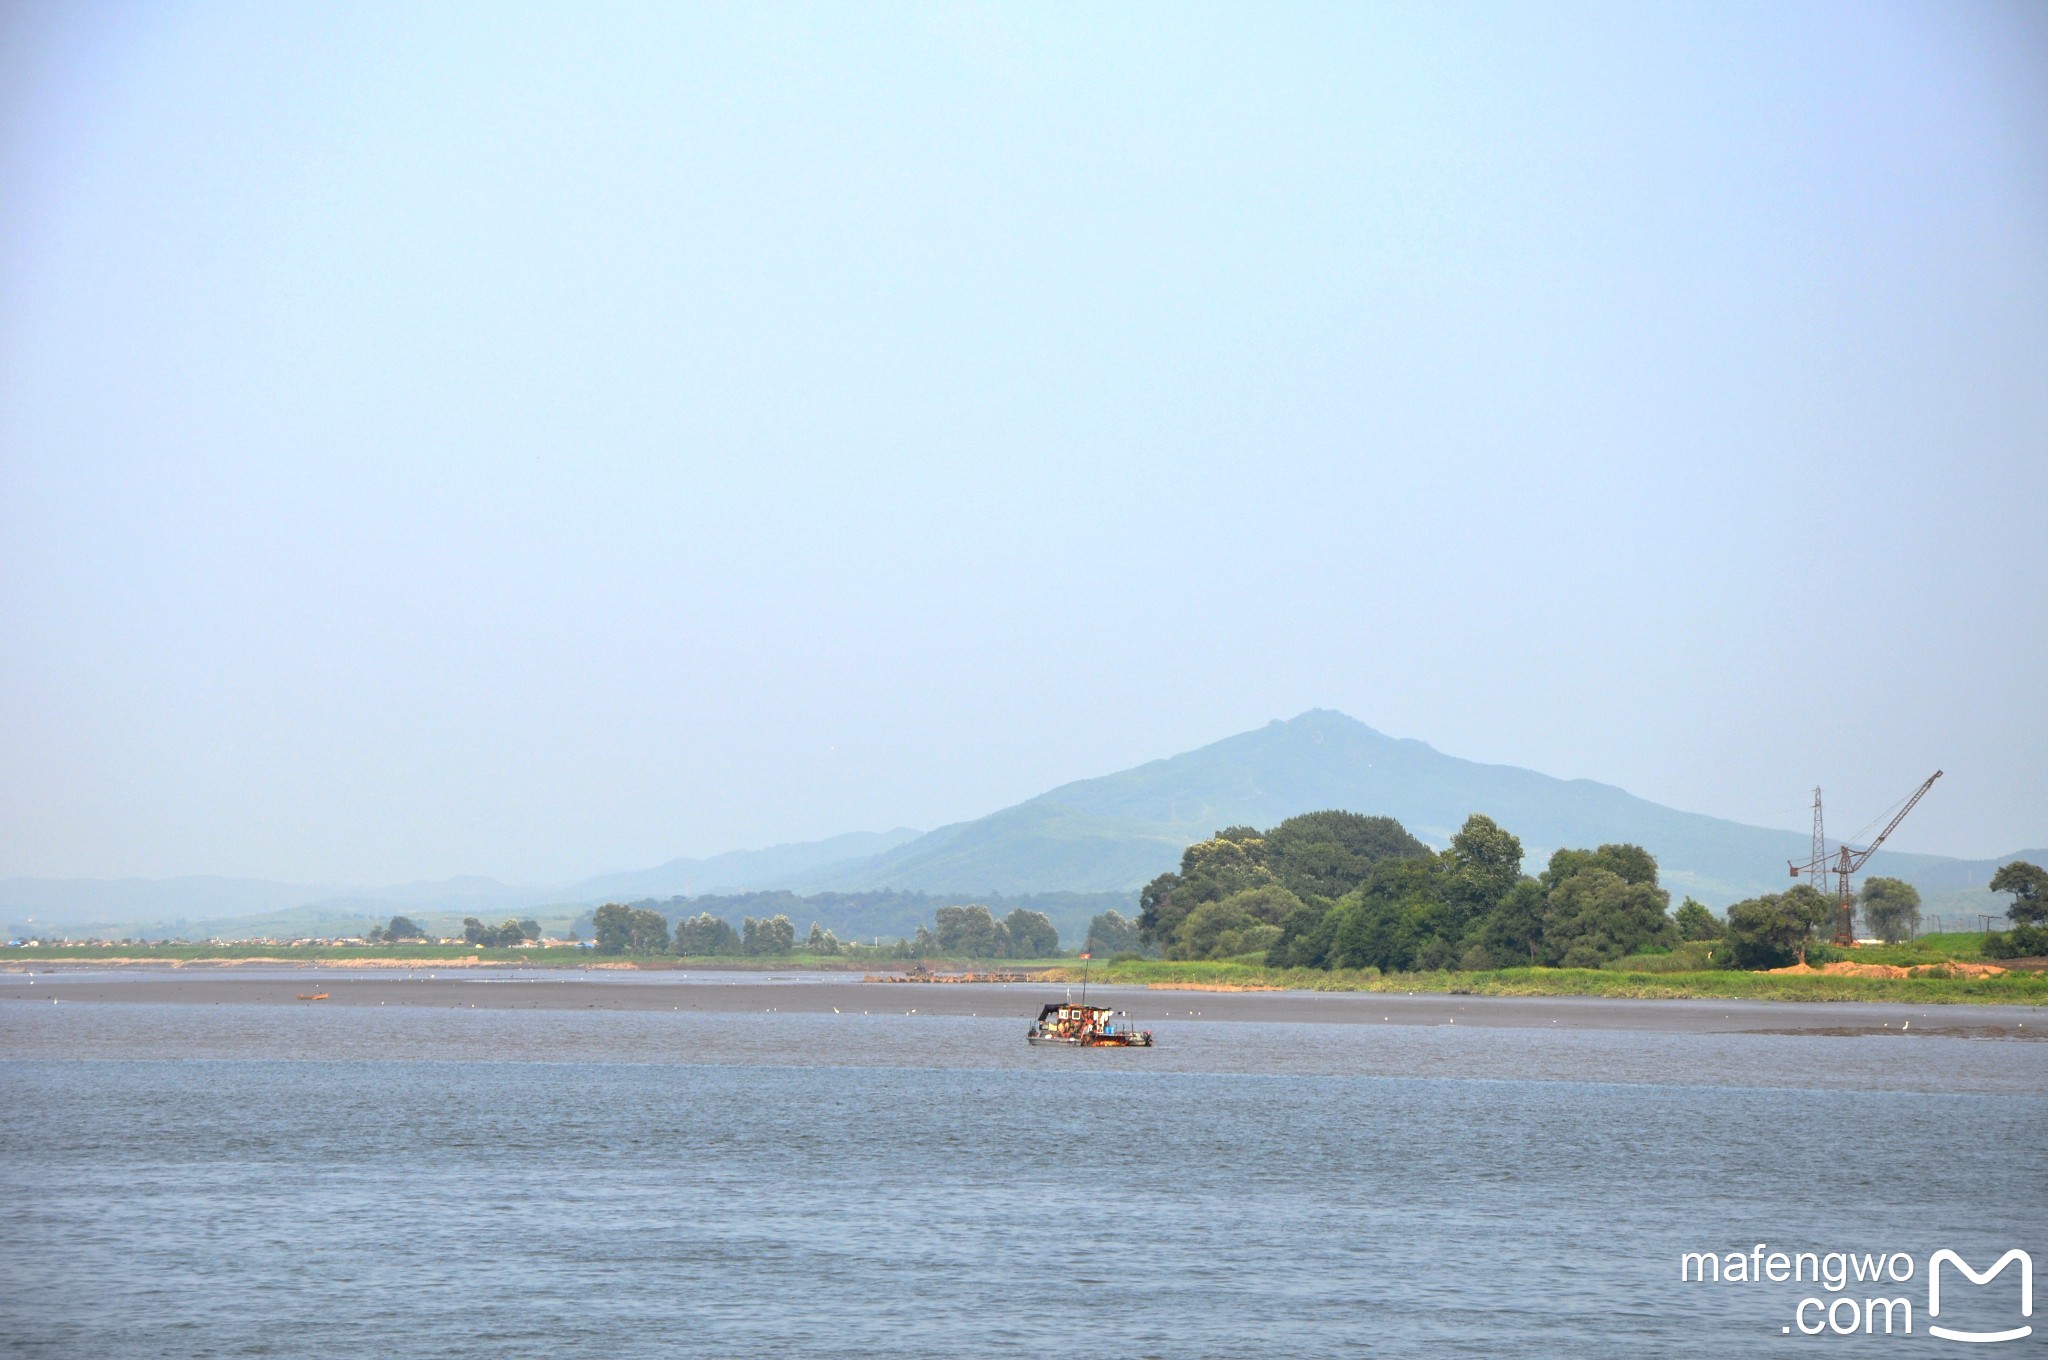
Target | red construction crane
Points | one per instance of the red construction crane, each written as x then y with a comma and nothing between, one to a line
1848,861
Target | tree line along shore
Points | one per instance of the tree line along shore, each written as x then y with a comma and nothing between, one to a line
1339,891
1335,900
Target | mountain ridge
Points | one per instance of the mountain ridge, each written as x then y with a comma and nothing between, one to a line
1114,832
1105,834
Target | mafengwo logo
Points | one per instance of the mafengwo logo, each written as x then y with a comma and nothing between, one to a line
1863,1289
1946,1257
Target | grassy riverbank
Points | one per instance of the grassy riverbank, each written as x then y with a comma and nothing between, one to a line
474,956
2011,988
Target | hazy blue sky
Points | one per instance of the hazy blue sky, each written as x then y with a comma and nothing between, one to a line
536,441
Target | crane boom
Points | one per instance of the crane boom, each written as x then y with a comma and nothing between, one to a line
1851,860
1893,824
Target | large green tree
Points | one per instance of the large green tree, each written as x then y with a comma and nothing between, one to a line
1398,921
2028,938
1471,907
1512,933
504,936
1239,924
647,931
1695,922
2028,884
1419,911
1891,908
1230,861
1773,931
772,935
613,925
1307,935
1112,932
705,935
1327,854
1031,934
1407,907
1629,863
972,931
1484,862
1596,915
1317,856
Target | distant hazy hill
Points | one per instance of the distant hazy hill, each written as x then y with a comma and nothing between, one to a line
737,870
200,906
28,905
1106,835
1116,832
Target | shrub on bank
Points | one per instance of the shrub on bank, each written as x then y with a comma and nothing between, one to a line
1694,956
2021,942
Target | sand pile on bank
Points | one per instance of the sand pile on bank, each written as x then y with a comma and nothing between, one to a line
1953,969
1845,968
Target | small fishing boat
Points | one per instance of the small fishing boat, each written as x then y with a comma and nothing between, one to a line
312,996
1063,1022
1084,1026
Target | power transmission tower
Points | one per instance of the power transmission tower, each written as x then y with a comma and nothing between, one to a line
1816,866
1820,845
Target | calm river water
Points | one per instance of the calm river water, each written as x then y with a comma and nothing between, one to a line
227,1180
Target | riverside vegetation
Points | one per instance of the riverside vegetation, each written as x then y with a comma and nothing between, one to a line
960,931
1336,900
1337,891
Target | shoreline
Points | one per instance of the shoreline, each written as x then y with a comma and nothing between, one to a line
825,994
2024,987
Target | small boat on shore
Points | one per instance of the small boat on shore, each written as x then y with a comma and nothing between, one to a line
1063,1022
312,996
